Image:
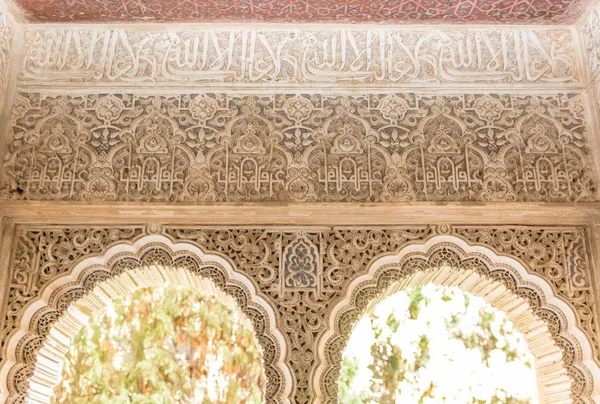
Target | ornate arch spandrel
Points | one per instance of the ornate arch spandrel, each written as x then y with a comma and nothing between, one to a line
563,353
324,262
82,280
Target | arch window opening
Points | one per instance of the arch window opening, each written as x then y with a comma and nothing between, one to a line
171,344
436,345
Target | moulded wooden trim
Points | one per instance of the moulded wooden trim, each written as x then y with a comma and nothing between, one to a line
323,214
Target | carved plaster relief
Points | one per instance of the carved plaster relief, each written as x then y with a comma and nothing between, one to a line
494,11
302,274
590,31
293,147
289,56
6,36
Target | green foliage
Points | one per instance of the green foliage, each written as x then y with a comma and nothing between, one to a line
388,370
172,345
347,376
416,300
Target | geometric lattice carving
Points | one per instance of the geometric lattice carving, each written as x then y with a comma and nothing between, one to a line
291,147
516,12
271,57
266,256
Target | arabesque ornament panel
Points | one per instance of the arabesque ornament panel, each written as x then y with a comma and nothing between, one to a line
303,273
381,147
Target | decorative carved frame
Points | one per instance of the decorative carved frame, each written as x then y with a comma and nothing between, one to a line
502,281
506,273
296,147
524,72
49,363
84,278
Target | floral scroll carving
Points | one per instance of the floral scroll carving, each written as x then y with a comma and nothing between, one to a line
292,147
302,274
299,56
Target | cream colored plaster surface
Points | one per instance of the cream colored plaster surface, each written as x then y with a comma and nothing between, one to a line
372,149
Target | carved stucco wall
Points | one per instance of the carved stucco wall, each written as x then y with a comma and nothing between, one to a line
299,147
128,144
299,56
302,274
6,38
290,11
589,31
332,114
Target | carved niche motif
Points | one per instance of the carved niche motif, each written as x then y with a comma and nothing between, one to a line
301,265
303,273
293,147
293,56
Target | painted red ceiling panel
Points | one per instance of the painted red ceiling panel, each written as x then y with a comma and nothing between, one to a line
346,11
